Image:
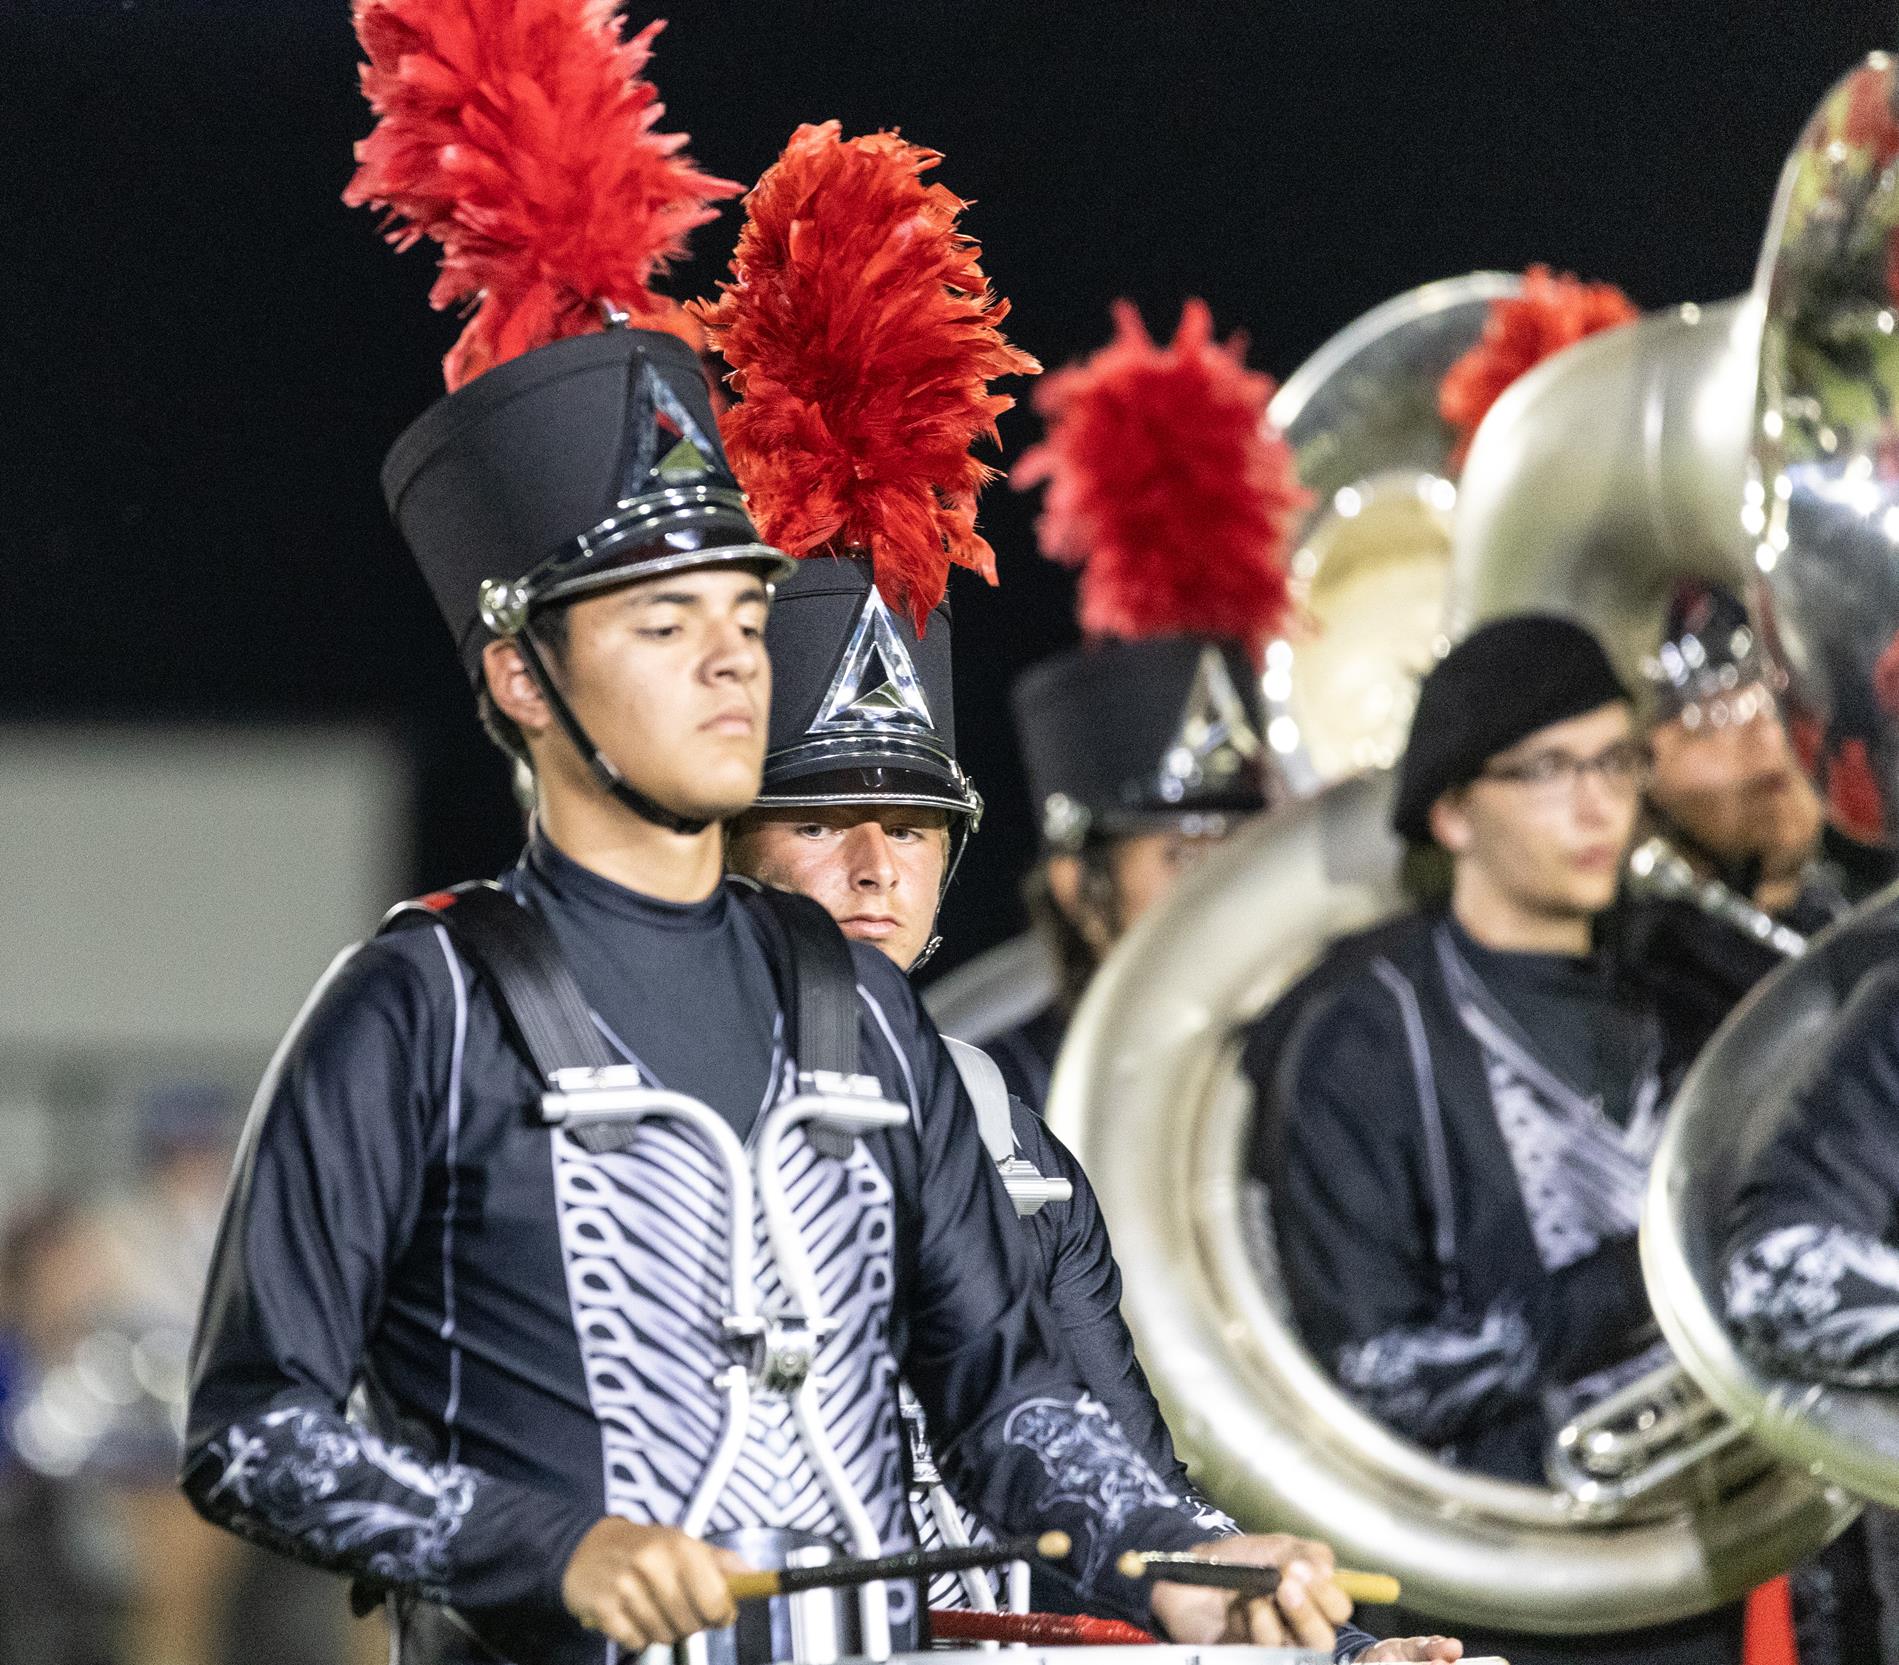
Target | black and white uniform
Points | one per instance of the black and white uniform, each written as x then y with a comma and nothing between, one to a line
1813,1261
536,1329
1455,1142
1813,1278
1792,1285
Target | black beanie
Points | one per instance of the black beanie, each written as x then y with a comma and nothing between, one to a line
1503,681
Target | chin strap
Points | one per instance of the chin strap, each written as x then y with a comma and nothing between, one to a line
603,770
961,826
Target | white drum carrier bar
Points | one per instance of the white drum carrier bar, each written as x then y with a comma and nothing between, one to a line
603,1107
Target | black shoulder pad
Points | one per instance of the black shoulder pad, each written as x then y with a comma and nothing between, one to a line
542,1003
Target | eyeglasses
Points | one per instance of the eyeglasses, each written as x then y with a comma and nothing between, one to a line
1620,766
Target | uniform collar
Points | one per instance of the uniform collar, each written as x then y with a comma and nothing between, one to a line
547,868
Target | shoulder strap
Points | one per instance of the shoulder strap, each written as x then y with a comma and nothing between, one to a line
817,977
533,985
989,1093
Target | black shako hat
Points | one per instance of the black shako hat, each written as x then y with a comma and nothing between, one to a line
1501,683
862,706
1118,736
1711,663
590,462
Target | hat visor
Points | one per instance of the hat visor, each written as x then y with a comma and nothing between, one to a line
869,778
772,565
1207,815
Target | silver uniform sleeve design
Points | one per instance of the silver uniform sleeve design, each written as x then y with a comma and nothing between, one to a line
1089,1463
283,1478
1422,1378
1818,1300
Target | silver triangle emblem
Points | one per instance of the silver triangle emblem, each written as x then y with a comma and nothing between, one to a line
876,683
1215,743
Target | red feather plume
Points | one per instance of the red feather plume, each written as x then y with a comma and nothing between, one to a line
862,336
520,136
1167,486
1553,311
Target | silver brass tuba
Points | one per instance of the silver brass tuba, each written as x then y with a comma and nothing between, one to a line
1821,511
1629,462
1371,562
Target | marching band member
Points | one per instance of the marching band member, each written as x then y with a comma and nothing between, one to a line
865,815
530,1302
1724,786
872,834
1812,1291
1727,793
1144,746
864,805
1459,1123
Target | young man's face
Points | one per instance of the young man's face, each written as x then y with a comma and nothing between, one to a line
877,869
669,677
1544,829
1735,787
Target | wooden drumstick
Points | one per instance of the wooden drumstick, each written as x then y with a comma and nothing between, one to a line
1369,1589
914,1563
1374,1589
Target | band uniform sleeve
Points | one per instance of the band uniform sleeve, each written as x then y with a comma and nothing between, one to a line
1812,1276
1356,1210
326,1193
1021,1442
1084,1293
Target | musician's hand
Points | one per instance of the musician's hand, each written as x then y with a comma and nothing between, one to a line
1431,1649
1302,1613
638,1585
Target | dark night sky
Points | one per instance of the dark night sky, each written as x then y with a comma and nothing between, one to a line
207,354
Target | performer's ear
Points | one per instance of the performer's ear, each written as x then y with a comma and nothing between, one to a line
1082,903
513,689
1450,822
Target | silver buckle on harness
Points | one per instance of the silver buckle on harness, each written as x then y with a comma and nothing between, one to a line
580,1092
1029,1190
784,1356
842,1108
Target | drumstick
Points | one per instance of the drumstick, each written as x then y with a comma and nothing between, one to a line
1240,1576
913,1563
1375,1589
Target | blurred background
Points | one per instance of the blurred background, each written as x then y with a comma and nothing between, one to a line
231,727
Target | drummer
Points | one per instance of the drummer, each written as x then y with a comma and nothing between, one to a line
865,807
869,817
